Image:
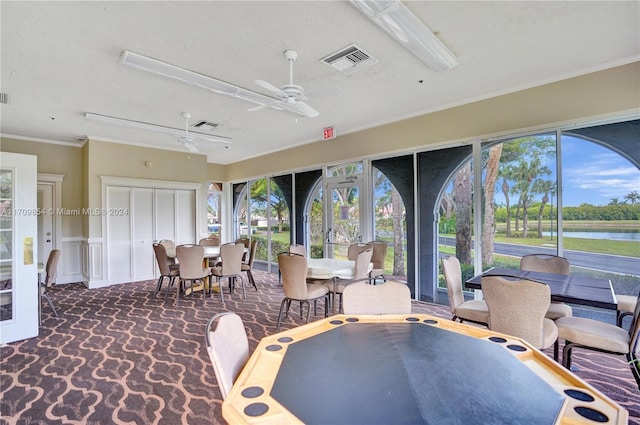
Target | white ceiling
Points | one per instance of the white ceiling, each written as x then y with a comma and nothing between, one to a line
61,60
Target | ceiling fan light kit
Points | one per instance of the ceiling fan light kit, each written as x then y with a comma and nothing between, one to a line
397,20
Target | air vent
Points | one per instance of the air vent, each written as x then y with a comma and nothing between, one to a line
349,59
4,98
206,125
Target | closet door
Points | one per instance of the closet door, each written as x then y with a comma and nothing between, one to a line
185,217
165,214
119,234
143,234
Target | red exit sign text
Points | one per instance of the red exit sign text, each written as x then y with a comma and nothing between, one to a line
328,133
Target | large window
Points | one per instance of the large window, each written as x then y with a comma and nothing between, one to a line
575,196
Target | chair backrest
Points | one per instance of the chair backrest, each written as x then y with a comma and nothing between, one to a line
634,343
168,243
517,307
293,268
390,297
228,348
190,258
161,258
231,257
545,263
245,242
354,249
51,268
363,260
252,252
453,278
379,253
210,241
298,249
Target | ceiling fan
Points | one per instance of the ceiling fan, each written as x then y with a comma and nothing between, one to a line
186,138
291,96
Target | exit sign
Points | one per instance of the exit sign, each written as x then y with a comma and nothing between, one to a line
328,133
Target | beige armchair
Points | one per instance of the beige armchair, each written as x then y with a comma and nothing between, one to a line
228,348
626,307
517,307
590,334
248,266
377,258
168,270
51,272
475,311
361,271
190,258
294,282
230,267
549,264
390,297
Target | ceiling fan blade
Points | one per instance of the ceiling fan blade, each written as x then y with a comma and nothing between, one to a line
270,87
301,108
267,105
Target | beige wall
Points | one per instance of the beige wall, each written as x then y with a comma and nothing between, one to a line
576,99
216,172
57,159
117,160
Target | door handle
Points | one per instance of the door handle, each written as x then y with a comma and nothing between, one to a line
48,240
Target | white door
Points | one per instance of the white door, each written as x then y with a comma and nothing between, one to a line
45,221
119,234
19,294
142,217
343,218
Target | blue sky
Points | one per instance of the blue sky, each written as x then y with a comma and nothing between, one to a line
594,174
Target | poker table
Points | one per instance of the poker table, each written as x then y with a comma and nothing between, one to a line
408,369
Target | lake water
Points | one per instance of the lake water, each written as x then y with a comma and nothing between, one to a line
616,236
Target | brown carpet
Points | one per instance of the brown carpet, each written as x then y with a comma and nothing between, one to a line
116,355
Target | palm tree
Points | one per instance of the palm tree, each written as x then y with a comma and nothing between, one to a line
632,197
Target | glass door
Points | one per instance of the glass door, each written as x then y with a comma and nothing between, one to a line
19,293
343,215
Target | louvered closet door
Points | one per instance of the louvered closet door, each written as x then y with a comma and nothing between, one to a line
165,214
185,216
119,234
143,234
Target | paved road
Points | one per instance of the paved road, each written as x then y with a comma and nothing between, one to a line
603,262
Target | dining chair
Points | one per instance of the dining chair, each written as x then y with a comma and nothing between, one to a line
230,267
294,248
248,266
296,288
246,243
591,334
362,268
298,249
354,249
390,297
228,348
377,259
210,241
517,307
51,272
191,259
475,311
169,245
626,307
554,264
167,270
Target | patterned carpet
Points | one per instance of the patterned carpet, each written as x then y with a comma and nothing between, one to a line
116,355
